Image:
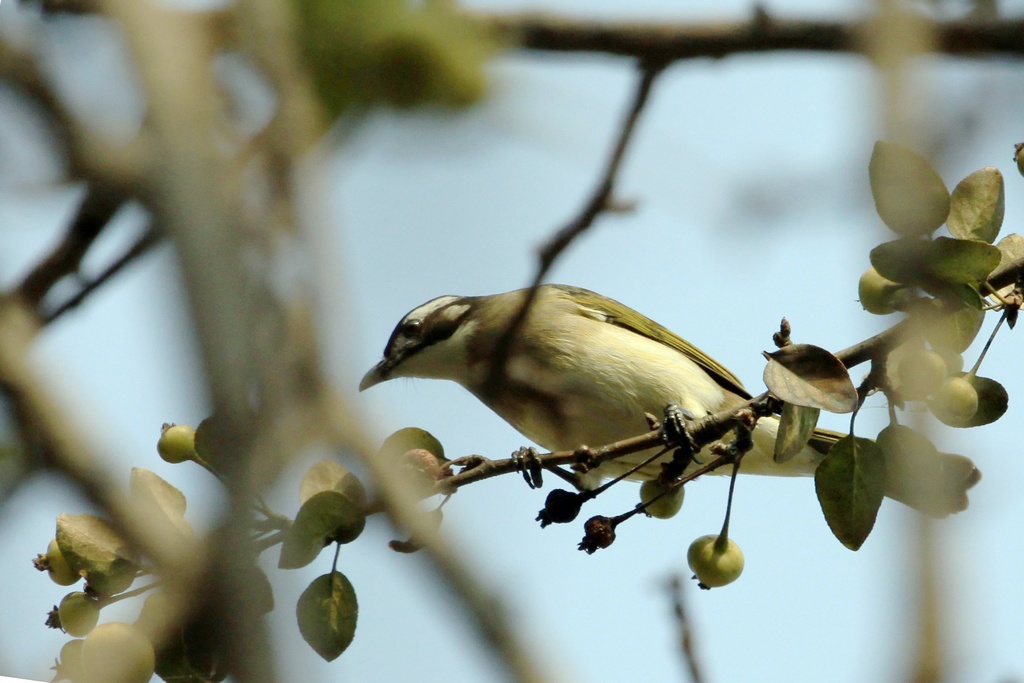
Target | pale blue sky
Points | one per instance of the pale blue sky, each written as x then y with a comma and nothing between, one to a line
751,182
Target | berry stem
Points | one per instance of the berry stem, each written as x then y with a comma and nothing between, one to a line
984,351
722,542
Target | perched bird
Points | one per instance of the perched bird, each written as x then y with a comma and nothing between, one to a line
584,369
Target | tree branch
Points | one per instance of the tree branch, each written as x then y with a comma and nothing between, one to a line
761,33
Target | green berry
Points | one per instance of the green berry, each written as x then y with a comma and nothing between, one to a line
57,567
78,614
116,651
665,507
714,563
878,294
956,399
177,443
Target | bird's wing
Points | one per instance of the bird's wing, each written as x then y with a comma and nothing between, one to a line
594,305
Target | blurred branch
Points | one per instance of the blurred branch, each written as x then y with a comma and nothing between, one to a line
761,33
88,155
94,214
59,442
148,240
685,629
928,664
485,609
600,201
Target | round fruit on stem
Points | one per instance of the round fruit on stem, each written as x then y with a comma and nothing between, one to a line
57,567
715,560
956,399
666,502
878,295
177,444
78,614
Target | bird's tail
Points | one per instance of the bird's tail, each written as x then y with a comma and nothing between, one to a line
928,481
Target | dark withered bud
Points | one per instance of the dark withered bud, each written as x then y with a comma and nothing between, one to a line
560,507
599,532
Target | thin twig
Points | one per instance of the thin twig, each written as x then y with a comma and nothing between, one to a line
141,246
599,201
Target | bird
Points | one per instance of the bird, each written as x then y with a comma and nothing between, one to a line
584,369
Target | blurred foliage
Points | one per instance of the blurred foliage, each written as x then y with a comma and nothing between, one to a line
366,52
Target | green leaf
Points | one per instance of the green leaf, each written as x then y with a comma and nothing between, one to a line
1010,248
850,482
916,262
92,549
916,473
795,429
909,194
328,475
901,260
328,516
327,612
963,261
810,376
992,404
977,206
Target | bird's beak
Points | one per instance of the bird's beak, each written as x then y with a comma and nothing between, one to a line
377,374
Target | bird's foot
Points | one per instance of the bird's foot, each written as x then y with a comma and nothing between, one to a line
529,464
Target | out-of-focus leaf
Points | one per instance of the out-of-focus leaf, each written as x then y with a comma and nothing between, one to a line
917,474
850,484
977,206
955,331
909,194
810,376
327,612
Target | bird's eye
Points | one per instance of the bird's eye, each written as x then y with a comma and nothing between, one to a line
411,328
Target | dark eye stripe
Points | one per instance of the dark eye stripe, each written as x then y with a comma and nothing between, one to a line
413,334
